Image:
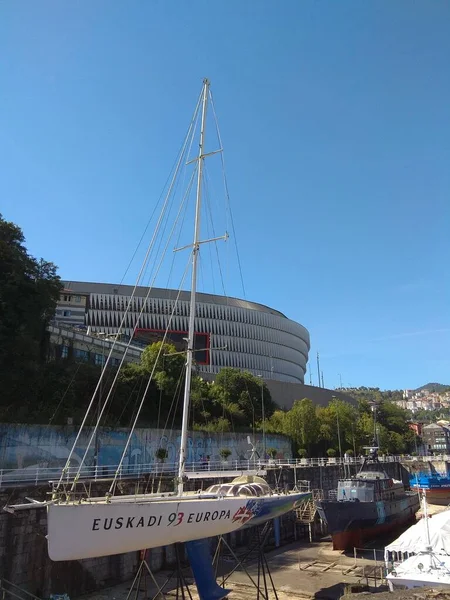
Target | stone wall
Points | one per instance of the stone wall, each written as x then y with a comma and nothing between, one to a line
285,393
24,559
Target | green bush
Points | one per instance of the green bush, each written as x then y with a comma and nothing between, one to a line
161,454
225,453
272,452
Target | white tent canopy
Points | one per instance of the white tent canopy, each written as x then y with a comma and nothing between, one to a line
414,539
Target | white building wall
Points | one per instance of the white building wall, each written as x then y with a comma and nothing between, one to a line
244,335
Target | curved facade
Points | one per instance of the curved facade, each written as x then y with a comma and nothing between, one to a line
229,332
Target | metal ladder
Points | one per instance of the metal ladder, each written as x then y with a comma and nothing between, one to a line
10,590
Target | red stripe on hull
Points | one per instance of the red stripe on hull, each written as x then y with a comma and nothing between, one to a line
345,540
438,491
437,496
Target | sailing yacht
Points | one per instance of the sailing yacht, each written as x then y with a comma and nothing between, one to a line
89,527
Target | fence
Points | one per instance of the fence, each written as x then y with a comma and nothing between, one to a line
40,473
368,566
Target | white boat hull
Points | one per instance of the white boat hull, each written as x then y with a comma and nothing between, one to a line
423,569
87,530
425,580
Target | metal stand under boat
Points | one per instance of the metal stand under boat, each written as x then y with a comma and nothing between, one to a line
202,568
209,572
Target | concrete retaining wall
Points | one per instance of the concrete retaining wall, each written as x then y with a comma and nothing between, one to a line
32,446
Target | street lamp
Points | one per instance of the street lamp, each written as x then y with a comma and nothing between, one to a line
263,416
338,429
373,408
102,336
339,434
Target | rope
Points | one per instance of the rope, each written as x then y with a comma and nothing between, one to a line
208,205
143,267
177,243
227,194
123,358
119,467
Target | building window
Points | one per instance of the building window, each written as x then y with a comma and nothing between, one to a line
77,298
99,359
115,362
64,351
67,313
81,355
67,298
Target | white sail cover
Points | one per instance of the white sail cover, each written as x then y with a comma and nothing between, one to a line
414,539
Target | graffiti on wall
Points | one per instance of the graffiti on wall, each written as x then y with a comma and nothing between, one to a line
31,446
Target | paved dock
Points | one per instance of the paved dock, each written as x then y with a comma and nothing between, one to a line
300,571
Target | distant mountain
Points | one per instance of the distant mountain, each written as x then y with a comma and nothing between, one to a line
433,387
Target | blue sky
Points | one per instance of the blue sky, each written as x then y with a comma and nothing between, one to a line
336,127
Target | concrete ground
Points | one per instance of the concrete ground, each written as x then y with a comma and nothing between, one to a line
299,570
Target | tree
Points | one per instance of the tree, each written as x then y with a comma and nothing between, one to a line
168,374
272,452
393,417
337,420
364,430
202,408
396,443
236,390
29,291
301,424
219,425
277,422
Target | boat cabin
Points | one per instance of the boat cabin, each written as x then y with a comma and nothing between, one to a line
242,486
369,486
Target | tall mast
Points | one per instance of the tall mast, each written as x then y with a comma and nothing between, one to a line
318,371
191,330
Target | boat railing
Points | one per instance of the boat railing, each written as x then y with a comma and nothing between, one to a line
43,472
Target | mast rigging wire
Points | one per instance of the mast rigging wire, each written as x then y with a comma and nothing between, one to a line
129,343
119,466
129,304
173,170
227,194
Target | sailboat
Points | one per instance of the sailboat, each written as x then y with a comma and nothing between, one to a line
90,527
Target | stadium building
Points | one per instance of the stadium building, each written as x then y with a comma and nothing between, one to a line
229,332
